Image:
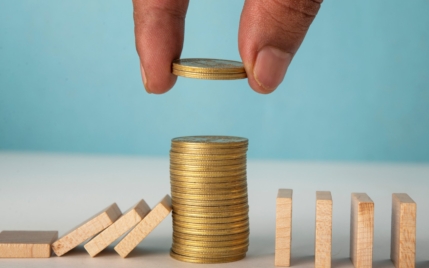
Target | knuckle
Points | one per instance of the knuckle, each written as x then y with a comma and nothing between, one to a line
293,16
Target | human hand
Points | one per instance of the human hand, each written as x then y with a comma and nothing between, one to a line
270,34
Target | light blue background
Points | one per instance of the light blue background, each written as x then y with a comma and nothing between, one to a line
358,89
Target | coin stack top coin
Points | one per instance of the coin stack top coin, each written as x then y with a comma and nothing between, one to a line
211,69
209,196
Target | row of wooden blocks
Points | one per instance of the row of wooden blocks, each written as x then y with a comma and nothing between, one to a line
403,238
104,228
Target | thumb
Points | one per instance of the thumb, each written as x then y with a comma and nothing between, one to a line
270,34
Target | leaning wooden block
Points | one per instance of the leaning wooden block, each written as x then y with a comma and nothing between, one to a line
87,230
142,229
118,228
26,244
361,230
323,239
403,240
283,227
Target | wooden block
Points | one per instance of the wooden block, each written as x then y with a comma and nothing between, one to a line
403,240
26,244
361,230
323,237
118,228
143,228
283,227
86,230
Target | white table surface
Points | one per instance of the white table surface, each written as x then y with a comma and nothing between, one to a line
57,192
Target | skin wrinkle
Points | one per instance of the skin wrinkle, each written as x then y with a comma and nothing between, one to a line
282,24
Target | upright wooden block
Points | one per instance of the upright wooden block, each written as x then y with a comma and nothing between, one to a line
118,228
361,230
87,230
323,237
403,239
26,244
143,228
283,227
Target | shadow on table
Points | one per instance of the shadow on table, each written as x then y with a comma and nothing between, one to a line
387,263
342,262
422,264
303,260
78,251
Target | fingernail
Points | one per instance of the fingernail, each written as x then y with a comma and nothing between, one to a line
270,67
144,78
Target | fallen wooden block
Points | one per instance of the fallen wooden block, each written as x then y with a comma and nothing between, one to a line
323,237
118,228
283,227
361,230
86,230
26,244
143,228
403,239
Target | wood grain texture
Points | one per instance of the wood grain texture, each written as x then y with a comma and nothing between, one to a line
361,230
143,228
86,230
403,239
323,234
283,227
26,244
132,217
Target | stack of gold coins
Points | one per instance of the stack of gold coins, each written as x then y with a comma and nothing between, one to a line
211,69
209,196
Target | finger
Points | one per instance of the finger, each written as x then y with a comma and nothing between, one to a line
270,34
159,29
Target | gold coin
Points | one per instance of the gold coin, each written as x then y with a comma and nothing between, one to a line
182,205
210,244
207,174
208,147
209,185
205,76
233,249
203,211
227,162
205,205
188,251
210,214
206,197
202,260
211,66
208,151
210,141
215,226
214,254
211,232
178,217
208,189
212,238
207,180
185,190
205,157
207,168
